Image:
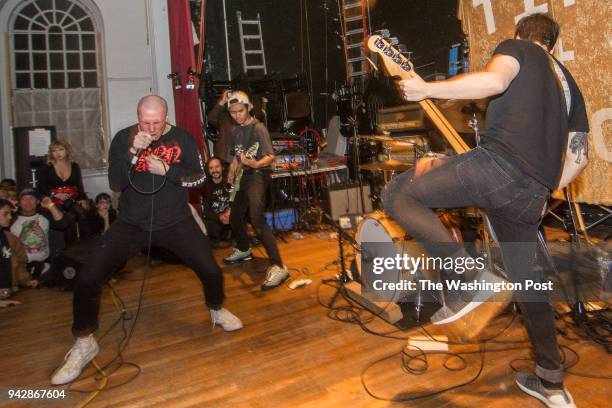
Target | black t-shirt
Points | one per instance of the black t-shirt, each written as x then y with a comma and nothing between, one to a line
216,196
243,137
169,205
528,124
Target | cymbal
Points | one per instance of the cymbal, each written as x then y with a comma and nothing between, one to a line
376,137
460,112
389,165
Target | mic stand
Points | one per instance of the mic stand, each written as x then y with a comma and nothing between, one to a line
343,277
356,162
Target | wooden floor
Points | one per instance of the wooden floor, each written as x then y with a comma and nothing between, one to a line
289,354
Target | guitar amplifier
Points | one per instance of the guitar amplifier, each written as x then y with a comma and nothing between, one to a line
400,118
344,199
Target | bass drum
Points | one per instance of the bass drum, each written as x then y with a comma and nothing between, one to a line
378,236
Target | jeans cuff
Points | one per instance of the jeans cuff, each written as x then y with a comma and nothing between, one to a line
214,306
553,376
83,332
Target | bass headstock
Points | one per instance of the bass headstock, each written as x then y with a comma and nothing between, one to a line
394,61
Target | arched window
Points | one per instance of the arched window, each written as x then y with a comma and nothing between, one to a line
55,74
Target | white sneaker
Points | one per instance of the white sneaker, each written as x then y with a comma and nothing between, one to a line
274,277
238,256
225,319
83,351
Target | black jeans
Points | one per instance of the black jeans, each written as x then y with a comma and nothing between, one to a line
216,230
121,242
252,198
513,202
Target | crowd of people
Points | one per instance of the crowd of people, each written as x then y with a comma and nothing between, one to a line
38,224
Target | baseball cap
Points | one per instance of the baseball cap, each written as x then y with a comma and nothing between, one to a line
30,192
239,97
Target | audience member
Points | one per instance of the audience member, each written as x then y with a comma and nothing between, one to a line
13,259
34,226
99,219
61,180
216,204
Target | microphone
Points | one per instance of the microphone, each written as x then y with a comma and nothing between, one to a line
136,156
138,152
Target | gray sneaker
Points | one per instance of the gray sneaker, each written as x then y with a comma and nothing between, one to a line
238,256
531,384
83,351
274,277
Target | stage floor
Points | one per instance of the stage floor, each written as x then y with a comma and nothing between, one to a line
289,354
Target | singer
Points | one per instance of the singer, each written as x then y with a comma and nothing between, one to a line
151,164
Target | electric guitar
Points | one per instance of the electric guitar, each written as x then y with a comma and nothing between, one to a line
251,153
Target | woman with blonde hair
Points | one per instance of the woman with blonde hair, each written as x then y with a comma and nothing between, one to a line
61,178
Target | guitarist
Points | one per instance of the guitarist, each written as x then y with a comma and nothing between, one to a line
251,190
510,175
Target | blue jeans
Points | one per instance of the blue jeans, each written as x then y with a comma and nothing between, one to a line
513,202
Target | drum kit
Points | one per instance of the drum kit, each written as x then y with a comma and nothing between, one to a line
390,156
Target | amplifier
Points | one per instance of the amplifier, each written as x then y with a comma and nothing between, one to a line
401,118
344,199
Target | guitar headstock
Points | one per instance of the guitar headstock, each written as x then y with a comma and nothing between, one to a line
395,63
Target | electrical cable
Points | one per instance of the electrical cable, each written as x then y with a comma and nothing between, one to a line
117,360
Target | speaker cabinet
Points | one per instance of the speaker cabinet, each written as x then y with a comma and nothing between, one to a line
344,199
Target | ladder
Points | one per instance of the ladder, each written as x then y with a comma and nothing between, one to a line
252,38
355,34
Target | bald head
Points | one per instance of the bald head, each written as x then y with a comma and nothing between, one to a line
152,103
152,111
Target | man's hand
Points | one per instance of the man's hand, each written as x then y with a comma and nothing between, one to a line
224,217
156,165
413,89
47,203
248,162
142,140
224,97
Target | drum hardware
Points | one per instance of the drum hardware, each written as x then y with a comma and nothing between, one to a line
388,165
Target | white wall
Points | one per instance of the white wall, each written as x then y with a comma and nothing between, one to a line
136,61
137,56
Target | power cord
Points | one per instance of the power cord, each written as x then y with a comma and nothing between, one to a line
104,372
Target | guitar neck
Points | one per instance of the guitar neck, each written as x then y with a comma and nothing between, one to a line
399,66
441,123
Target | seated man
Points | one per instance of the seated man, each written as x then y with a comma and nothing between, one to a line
13,273
34,226
216,204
